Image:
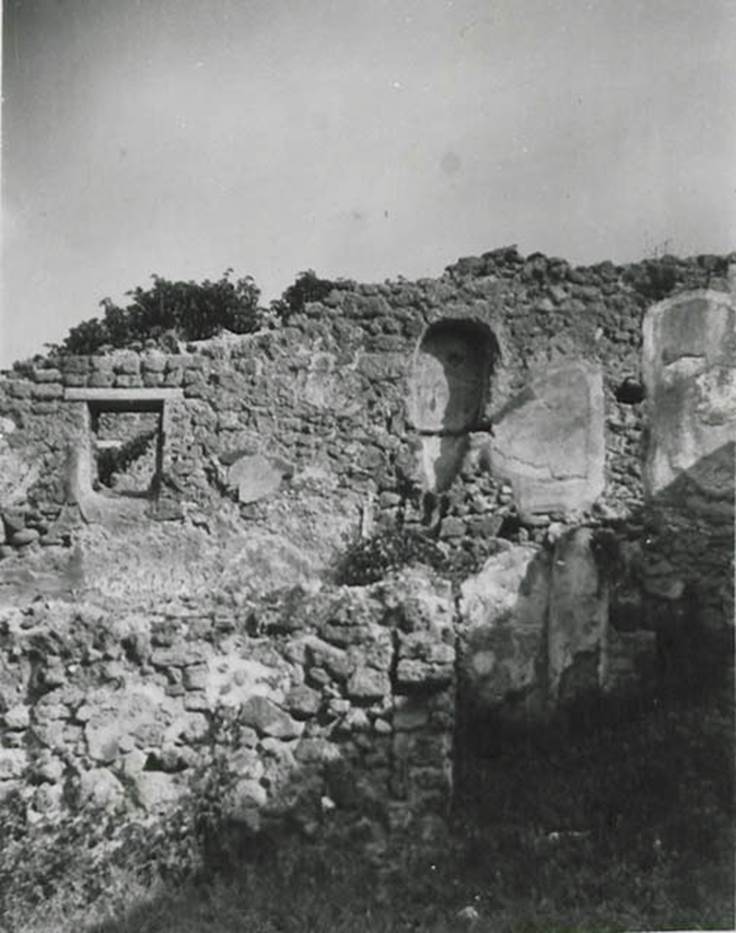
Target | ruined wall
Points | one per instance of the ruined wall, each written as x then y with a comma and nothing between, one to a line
689,363
499,408
340,400
337,705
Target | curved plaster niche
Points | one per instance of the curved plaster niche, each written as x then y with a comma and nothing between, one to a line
449,386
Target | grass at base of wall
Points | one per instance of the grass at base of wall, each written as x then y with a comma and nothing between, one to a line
625,826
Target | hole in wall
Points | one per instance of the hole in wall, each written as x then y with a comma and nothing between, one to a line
126,447
630,391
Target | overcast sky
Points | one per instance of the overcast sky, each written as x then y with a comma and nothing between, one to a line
362,138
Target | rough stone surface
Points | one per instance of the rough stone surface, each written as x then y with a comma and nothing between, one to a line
256,477
144,622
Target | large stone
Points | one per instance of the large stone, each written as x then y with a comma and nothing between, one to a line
142,714
17,717
502,625
231,680
368,684
303,701
549,440
100,788
24,536
256,476
13,762
155,790
689,369
269,719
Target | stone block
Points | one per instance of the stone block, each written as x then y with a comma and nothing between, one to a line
100,788
101,364
256,476
17,717
173,378
268,719
303,701
75,364
23,537
366,683
153,362
47,391
19,388
101,379
126,362
452,527
74,379
128,381
47,375
13,763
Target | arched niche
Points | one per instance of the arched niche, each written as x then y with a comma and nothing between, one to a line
449,390
452,369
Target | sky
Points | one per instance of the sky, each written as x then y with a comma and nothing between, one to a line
364,139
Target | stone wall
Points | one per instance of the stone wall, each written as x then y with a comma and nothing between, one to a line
338,705
500,409
344,393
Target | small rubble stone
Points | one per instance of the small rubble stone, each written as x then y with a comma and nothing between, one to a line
17,717
24,536
368,683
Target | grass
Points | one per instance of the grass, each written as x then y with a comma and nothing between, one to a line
624,824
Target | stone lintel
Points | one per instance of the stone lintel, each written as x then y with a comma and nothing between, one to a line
144,399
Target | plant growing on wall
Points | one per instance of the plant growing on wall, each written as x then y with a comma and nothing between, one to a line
186,310
307,287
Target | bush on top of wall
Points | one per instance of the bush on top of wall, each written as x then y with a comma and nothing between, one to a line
184,310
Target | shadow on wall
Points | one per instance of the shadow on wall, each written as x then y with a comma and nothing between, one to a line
601,614
450,387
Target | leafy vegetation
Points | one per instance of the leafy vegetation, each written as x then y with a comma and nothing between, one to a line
371,559
169,311
183,310
307,287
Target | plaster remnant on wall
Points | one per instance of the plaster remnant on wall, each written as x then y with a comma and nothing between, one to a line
502,614
578,617
549,441
689,367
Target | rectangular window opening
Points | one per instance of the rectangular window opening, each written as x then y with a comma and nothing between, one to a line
128,451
